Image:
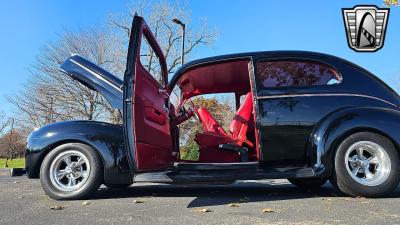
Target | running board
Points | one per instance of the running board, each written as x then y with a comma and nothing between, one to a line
218,176
155,177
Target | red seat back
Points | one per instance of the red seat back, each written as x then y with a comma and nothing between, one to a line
208,122
239,124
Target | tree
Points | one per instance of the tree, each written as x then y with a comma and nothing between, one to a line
51,96
3,122
159,16
12,145
391,2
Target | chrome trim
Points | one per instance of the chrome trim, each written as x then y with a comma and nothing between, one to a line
325,95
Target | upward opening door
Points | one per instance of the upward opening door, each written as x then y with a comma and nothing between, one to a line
146,125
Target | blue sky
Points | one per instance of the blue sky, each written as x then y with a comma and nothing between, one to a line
242,26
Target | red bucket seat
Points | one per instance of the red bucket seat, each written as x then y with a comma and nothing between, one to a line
214,135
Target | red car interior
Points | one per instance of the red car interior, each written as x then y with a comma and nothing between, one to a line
215,135
156,137
222,77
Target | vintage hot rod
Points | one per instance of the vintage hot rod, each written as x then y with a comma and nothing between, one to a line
305,116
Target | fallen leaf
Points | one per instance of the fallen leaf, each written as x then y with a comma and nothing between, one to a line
57,207
137,201
85,203
268,210
234,205
203,210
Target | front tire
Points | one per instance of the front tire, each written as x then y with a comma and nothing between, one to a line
366,164
71,171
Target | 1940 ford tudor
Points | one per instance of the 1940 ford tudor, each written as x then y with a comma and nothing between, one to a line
304,116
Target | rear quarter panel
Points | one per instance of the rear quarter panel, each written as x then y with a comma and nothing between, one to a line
288,116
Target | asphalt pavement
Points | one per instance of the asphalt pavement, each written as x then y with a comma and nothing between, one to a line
22,201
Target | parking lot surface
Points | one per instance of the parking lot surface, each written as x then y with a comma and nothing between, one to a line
246,202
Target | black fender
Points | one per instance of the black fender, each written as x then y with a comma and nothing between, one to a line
107,139
336,126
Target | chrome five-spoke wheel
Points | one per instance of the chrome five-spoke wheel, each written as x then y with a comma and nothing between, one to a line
69,171
367,163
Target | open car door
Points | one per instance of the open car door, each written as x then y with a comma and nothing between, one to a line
146,125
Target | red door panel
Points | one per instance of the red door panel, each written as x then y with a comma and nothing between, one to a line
151,123
146,124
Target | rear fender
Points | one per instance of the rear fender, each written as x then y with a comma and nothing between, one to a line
338,125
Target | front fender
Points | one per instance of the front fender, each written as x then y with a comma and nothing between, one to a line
106,139
336,126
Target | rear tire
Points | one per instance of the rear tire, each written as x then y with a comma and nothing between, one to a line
71,171
309,183
366,164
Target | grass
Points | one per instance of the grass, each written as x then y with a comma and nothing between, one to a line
15,163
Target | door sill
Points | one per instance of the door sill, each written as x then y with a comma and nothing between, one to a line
215,166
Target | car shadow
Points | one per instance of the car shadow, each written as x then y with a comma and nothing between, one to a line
213,195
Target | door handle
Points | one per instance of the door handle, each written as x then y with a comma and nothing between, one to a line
155,115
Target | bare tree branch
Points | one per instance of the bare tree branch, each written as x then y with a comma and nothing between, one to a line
3,122
51,96
159,17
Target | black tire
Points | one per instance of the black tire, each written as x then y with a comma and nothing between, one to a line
308,183
342,179
94,179
118,186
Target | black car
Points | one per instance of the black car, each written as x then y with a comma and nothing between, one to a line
304,116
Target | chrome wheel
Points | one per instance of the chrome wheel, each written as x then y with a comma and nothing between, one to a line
69,171
367,163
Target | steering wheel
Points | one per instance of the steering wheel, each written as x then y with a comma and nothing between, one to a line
192,111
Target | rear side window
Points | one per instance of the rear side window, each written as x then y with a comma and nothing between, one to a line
150,61
293,73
